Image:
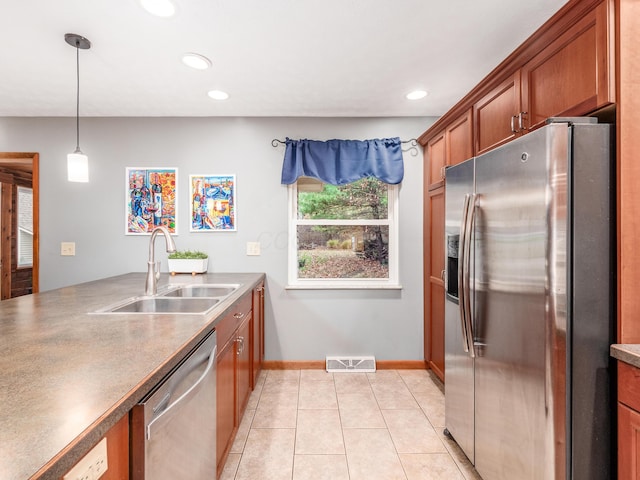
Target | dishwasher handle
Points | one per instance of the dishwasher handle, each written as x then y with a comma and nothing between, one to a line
167,413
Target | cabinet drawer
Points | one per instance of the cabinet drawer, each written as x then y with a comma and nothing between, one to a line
629,385
232,320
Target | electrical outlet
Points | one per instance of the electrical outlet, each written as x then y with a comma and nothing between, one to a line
68,249
92,466
253,248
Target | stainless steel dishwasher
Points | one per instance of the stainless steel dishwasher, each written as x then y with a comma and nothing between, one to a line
173,428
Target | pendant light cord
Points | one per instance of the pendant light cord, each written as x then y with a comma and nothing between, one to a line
77,95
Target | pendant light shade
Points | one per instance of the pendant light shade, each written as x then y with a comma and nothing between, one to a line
77,167
77,162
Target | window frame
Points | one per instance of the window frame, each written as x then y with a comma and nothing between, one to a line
392,282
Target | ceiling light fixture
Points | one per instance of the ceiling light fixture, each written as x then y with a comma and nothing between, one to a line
218,95
77,162
159,8
416,94
197,61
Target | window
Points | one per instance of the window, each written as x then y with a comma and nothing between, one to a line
25,227
343,236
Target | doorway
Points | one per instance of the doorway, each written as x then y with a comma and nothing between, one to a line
19,224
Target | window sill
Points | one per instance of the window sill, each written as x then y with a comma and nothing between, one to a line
333,286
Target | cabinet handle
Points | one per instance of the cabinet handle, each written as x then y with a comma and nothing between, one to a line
443,172
240,341
521,120
443,273
513,124
238,315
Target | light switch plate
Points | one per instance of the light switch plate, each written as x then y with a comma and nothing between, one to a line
253,248
68,249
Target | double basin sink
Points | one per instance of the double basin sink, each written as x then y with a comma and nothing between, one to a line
175,299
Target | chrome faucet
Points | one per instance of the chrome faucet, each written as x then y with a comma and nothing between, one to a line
153,268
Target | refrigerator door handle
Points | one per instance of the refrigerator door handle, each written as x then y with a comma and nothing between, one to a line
468,317
461,272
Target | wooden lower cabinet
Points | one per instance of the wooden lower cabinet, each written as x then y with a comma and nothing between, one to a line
244,370
628,443
226,400
434,284
234,375
257,356
628,422
436,362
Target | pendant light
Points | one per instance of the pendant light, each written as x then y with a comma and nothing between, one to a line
77,162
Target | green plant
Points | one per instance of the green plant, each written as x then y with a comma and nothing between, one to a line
187,255
303,259
333,243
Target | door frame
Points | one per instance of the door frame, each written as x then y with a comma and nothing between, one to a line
25,161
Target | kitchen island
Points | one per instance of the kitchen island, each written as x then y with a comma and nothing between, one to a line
67,375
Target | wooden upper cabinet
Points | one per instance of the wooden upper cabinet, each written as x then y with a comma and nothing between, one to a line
570,77
435,158
450,146
460,139
498,115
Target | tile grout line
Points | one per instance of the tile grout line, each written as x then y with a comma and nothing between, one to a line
344,442
295,432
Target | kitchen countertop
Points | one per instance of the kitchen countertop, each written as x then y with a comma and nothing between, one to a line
67,376
627,352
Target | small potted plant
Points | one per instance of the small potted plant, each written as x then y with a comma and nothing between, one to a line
188,261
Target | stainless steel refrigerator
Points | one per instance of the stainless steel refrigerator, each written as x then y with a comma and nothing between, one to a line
529,304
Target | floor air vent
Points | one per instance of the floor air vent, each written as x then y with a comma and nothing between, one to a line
351,364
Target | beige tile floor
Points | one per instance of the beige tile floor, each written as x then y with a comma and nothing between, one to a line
314,425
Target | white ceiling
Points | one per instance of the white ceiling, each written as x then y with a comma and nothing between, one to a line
274,57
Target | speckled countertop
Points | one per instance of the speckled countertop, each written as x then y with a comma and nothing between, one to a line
627,352
67,376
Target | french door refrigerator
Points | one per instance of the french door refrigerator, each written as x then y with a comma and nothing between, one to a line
529,304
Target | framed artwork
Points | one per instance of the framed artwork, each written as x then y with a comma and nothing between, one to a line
213,203
151,199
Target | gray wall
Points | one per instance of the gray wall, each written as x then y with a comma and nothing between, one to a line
300,324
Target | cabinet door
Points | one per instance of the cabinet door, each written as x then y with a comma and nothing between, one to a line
628,443
570,77
497,115
460,139
257,340
226,398
435,159
243,366
434,287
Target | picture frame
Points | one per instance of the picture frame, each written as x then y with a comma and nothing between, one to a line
213,203
151,199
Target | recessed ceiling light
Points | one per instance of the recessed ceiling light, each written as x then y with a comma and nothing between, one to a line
197,61
416,94
160,8
218,95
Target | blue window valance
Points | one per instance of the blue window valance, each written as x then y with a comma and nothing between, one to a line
339,162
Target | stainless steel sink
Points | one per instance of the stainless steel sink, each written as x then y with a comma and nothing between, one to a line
162,305
186,291
175,299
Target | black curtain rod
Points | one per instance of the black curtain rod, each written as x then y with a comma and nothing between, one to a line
412,142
